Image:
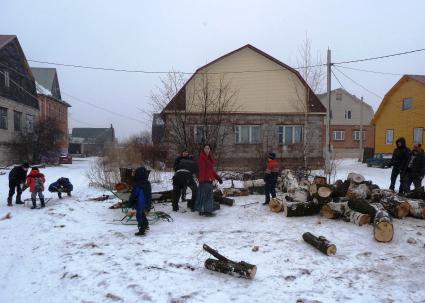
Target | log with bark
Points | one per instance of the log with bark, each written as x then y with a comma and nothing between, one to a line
162,196
320,180
276,205
223,265
358,191
321,243
356,217
383,230
355,178
377,194
299,209
418,193
417,208
324,193
255,186
219,198
362,206
341,188
334,210
301,195
289,181
397,206
235,192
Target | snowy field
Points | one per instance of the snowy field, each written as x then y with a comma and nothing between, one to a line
72,251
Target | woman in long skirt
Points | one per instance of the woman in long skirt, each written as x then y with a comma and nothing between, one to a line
206,176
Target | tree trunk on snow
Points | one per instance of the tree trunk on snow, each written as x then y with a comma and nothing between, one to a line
255,186
313,189
226,266
276,205
324,192
301,195
358,191
383,230
218,197
371,185
162,196
417,194
334,210
235,192
355,178
320,180
341,188
321,243
356,217
396,206
362,206
299,209
378,194
417,208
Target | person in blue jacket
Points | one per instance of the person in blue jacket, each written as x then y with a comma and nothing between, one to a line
140,198
62,185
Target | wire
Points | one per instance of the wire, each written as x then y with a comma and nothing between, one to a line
369,71
366,89
381,57
338,80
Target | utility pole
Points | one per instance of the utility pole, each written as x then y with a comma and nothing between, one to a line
328,120
361,130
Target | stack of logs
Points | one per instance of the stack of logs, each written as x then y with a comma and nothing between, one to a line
353,200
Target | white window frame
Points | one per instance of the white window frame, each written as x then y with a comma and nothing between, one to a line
4,117
403,105
348,114
281,134
418,135
238,132
356,135
341,134
388,136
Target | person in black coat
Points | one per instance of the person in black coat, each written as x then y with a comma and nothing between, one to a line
183,178
62,185
415,169
17,177
183,156
141,198
399,162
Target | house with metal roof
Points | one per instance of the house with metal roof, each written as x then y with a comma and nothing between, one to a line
91,141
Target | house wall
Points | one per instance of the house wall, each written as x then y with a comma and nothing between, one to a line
8,137
50,108
402,122
275,91
349,148
252,156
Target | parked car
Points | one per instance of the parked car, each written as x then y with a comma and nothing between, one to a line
379,160
65,159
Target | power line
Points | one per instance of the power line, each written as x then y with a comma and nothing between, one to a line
381,57
338,80
369,71
357,83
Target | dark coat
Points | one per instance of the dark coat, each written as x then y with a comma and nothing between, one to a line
141,192
401,155
187,164
17,175
61,185
177,161
416,164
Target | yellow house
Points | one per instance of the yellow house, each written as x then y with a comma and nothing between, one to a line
401,114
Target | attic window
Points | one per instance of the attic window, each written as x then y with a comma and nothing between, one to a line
407,103
338,96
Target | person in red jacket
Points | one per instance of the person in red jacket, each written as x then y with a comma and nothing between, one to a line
270,177
206,176
35,181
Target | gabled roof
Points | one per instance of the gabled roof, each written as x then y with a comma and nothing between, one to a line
179,100
403,79
340,89
94,134
41,90
46,76
5,39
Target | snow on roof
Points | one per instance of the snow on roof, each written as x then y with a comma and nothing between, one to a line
42,90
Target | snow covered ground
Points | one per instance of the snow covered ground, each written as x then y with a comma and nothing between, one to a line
72,252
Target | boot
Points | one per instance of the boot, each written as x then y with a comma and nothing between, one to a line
141,231
9,201
18,201
146,225
266,203
33,204
69,194
59,195
42,202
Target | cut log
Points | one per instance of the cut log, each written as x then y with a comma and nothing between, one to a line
255,186
398,207
356,178
378,194
356,217
162,196
324,192
341,188
235,192
416,194
299,209
333,210
319,180
301,195
417,208
226,266
358,191
276,205
289,181
218,197
362,206
383,230
313,189
321,243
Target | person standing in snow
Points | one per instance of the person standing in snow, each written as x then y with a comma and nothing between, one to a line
270,177
17,179
183,156
399,162
62,185
35,181
140,198
183,178
415,169
206,176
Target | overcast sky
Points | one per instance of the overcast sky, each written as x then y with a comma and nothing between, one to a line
184,35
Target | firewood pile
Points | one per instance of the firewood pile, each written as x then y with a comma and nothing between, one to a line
354,200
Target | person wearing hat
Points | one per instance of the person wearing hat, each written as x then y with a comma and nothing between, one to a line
35,181
183,156
415,169
16,179
270,177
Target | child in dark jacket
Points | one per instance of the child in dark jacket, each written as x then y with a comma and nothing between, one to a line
35,181
270,177
62,185
140,198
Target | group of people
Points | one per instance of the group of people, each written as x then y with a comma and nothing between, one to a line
409,164
19,181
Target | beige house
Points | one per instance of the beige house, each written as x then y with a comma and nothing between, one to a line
247,103
347,113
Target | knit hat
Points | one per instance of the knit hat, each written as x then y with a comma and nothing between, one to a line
25,165
271,155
